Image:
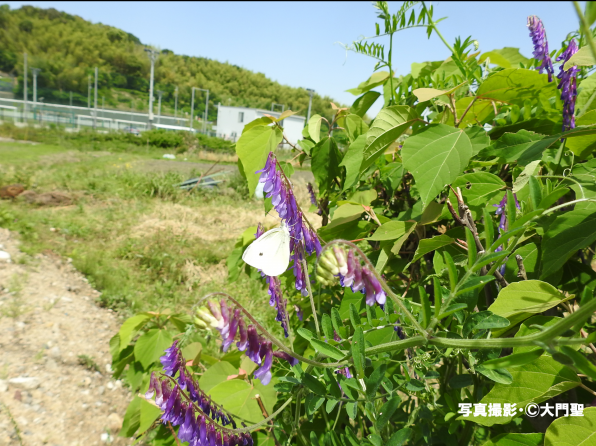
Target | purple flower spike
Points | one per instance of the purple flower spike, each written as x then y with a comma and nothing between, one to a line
568,86
218,439
264,372
253,345
202,430
243,342
358,284
170,360
540,53
283,355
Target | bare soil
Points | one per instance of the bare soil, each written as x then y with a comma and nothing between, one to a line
47,320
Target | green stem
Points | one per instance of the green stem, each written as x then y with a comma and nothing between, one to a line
559,155
391,69
434,26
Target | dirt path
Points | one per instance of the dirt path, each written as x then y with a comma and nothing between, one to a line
48,318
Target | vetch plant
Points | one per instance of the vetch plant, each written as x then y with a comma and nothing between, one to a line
450,284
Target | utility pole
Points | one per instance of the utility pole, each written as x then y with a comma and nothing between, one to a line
89,92
35,72
70,98
176,103
153,57
159,94
25,91
192,107
204,127
95,102
310,93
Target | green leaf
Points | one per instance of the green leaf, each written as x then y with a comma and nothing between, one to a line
436,157
375,80
148,414
327,326
387,411
523,178
583,146
585,90
354,316
355,127
536,382
352,161
338,325
400,437
325,164
374,381
536,150
478,137
415,385
238,397
364,102
483,320
520,300
497,375
572,431
507,57
390,123
358,351
430,244
516,439
327,349
474,282
151,346
514,360
510,146
515,85
392,230
580,362
583,58
479,189
305,333
130,327
216,374
568,233
314,384
485,259
131,421
314,128
253,148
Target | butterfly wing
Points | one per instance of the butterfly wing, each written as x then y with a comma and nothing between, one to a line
270,252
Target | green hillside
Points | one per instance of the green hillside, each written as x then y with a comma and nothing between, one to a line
67,48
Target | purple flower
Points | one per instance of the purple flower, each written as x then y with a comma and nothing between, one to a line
264,372
540,53
283,355
374,291
299,313
254,347
170,360
232,331
225,314
400,333
189,426
243,342
153,386
567,85
277,300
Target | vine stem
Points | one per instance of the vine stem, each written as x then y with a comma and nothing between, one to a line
272,338
310,296
396,299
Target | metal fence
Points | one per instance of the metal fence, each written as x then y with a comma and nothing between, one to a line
13,110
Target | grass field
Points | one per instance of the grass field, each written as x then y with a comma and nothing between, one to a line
143,243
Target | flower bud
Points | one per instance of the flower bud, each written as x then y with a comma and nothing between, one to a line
326,262
204,314
199,323
340,256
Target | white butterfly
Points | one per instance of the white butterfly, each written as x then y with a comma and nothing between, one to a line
270,252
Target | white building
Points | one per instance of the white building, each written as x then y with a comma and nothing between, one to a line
231,121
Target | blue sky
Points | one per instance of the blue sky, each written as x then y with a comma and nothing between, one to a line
296,43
